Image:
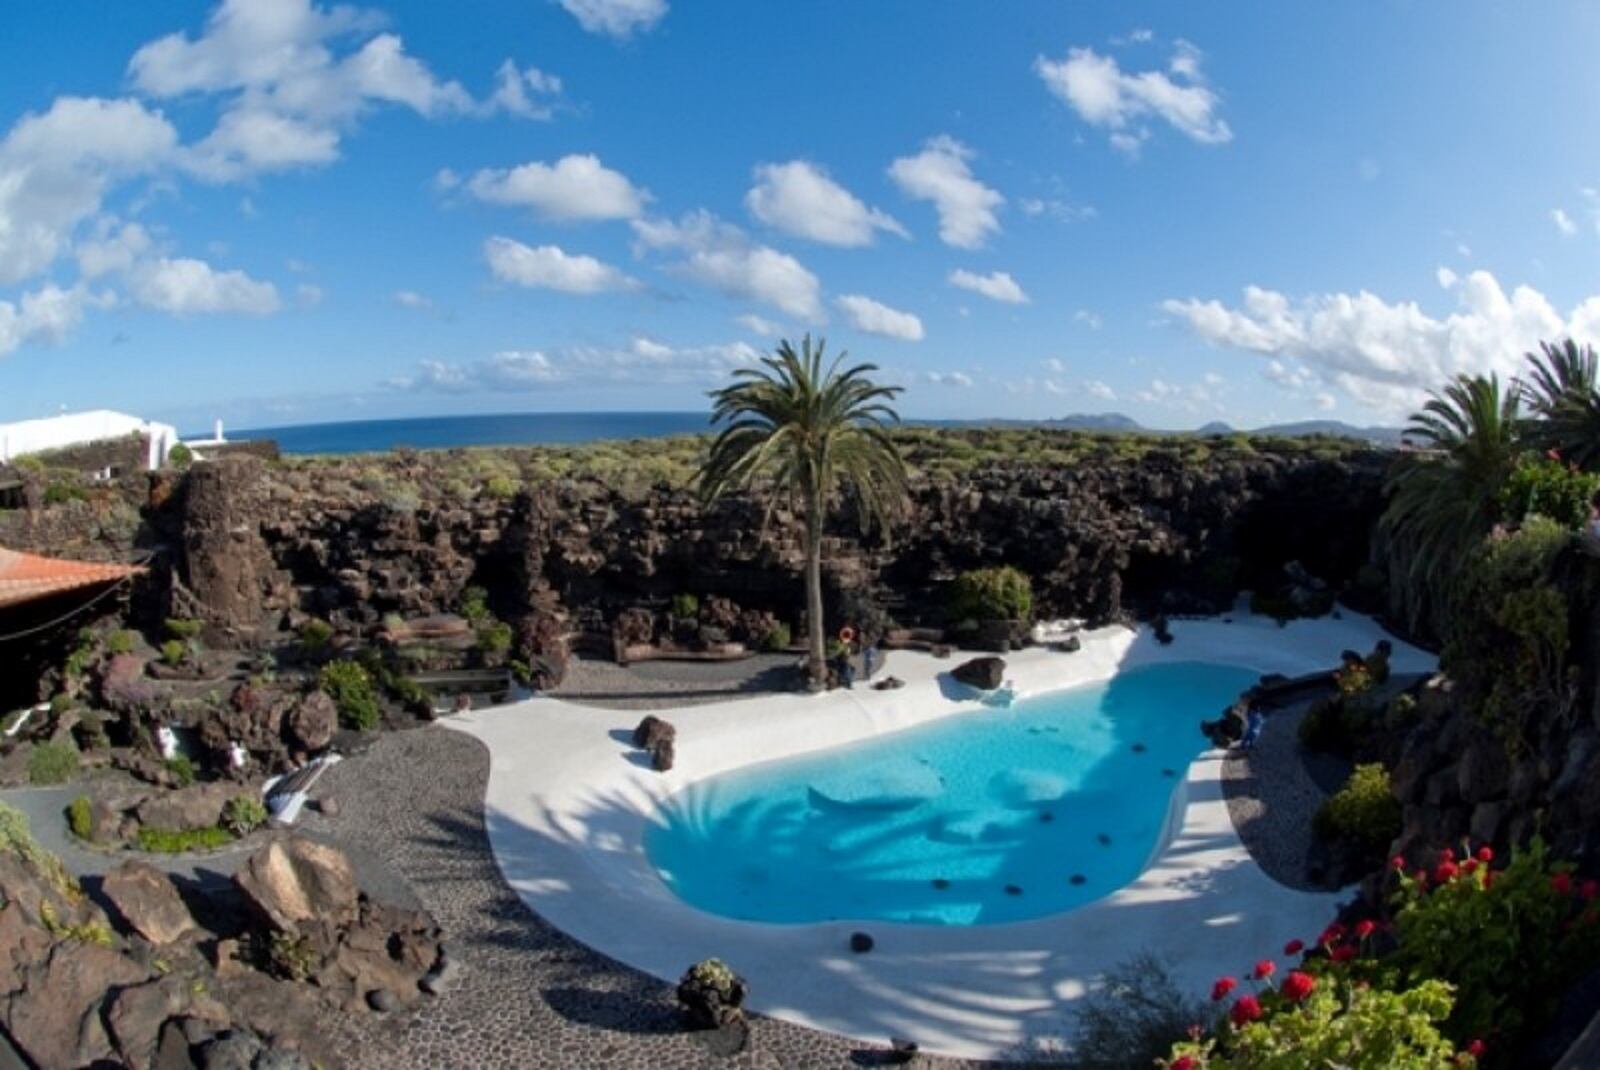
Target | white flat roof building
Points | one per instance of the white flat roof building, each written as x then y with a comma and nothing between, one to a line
77,428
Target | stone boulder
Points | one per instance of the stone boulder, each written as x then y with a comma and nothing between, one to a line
651,731
985,674
124,687
292,881
195,807
147,902
311,724
55,1016
542,646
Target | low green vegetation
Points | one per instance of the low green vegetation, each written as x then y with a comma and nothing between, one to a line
243,814
350,687
17,838
183,628
182,769
121,641
52,763
779,638
92,931
1002,593
291,956
494,638
474,605
180,841
1363,813
314,635
685,606
80,819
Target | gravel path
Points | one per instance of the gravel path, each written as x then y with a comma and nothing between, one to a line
529,996
1273,794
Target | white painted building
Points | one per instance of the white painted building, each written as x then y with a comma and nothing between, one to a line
78,428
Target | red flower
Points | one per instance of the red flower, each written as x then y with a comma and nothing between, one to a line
1294,947
1245,1009
1485,855
1470,866
1297,986
1398,862
1446,855
1445,872
1421,877
1224,985
1476,1049
1332,934
1562,884
1184,1062
1553,454
1264,969
1365,928
1343,954
1589,889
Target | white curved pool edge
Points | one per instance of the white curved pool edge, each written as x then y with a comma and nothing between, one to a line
568,800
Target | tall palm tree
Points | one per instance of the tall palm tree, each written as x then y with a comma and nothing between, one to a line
1563,391
1444,500
814,434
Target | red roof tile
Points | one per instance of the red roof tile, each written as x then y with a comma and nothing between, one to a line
25,577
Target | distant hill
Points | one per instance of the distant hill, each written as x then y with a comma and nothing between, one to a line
1121,423
1215,427
1388,435
1096,421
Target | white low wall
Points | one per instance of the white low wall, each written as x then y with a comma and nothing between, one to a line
568,801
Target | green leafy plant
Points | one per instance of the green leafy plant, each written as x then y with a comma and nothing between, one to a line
182,769
17,838
92,931
474,605
1545,486
778,638
121,641
183,628
350,687
315,635
173,651
494,637
243,814
292,956
500,487
180,456
52,763
685,606
80,818
1364,813
1002,593
180,841
1133,1016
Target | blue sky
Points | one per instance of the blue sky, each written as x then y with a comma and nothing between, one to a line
275,211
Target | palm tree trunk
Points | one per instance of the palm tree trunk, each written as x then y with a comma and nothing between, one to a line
817,661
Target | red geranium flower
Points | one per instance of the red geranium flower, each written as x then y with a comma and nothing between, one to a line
1343,953
1264,969
1298,985
1421,877
1294,947
1184,1062
1446,855
1476,1049
1398,862
1365,928
1224,985
1562,884
1332,934
1445,872
1470,866
1485,854
1245,1009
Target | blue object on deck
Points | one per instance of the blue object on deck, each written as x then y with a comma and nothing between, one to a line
1252,729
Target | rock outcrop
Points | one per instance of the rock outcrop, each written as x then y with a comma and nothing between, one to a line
295,880
985,674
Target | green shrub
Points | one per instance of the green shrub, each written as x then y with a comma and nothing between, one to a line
475,605
93,931
182,769
183,628
180,456
1510,946
52,763
685,606
180,841
244,814
173,652
1546,487
315,634
350,687
500,487
291,956
80,819
17,838
494,638
121,641
1003,593
1364,812
778,638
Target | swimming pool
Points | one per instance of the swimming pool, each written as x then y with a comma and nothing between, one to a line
996,816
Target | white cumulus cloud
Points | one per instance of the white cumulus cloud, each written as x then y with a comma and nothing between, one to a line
574,188
940,174
1103,94
960,379
185,286
997,285
723,257
799,198
616,18
1387,355
1563,222
874,317
549,267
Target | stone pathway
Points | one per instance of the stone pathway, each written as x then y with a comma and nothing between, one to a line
529,996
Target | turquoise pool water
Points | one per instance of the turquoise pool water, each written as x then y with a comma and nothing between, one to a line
998,816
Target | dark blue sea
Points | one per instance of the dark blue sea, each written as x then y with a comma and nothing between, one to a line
507,429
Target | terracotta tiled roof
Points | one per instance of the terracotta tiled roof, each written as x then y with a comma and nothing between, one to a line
24,577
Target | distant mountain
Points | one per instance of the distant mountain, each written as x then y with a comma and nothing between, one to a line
1389,436
1096,421
1215,427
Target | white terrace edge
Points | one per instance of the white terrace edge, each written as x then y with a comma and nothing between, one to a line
568,801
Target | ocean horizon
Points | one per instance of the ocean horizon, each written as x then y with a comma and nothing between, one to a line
498,429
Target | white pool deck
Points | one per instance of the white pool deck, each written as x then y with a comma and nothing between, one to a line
568,800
